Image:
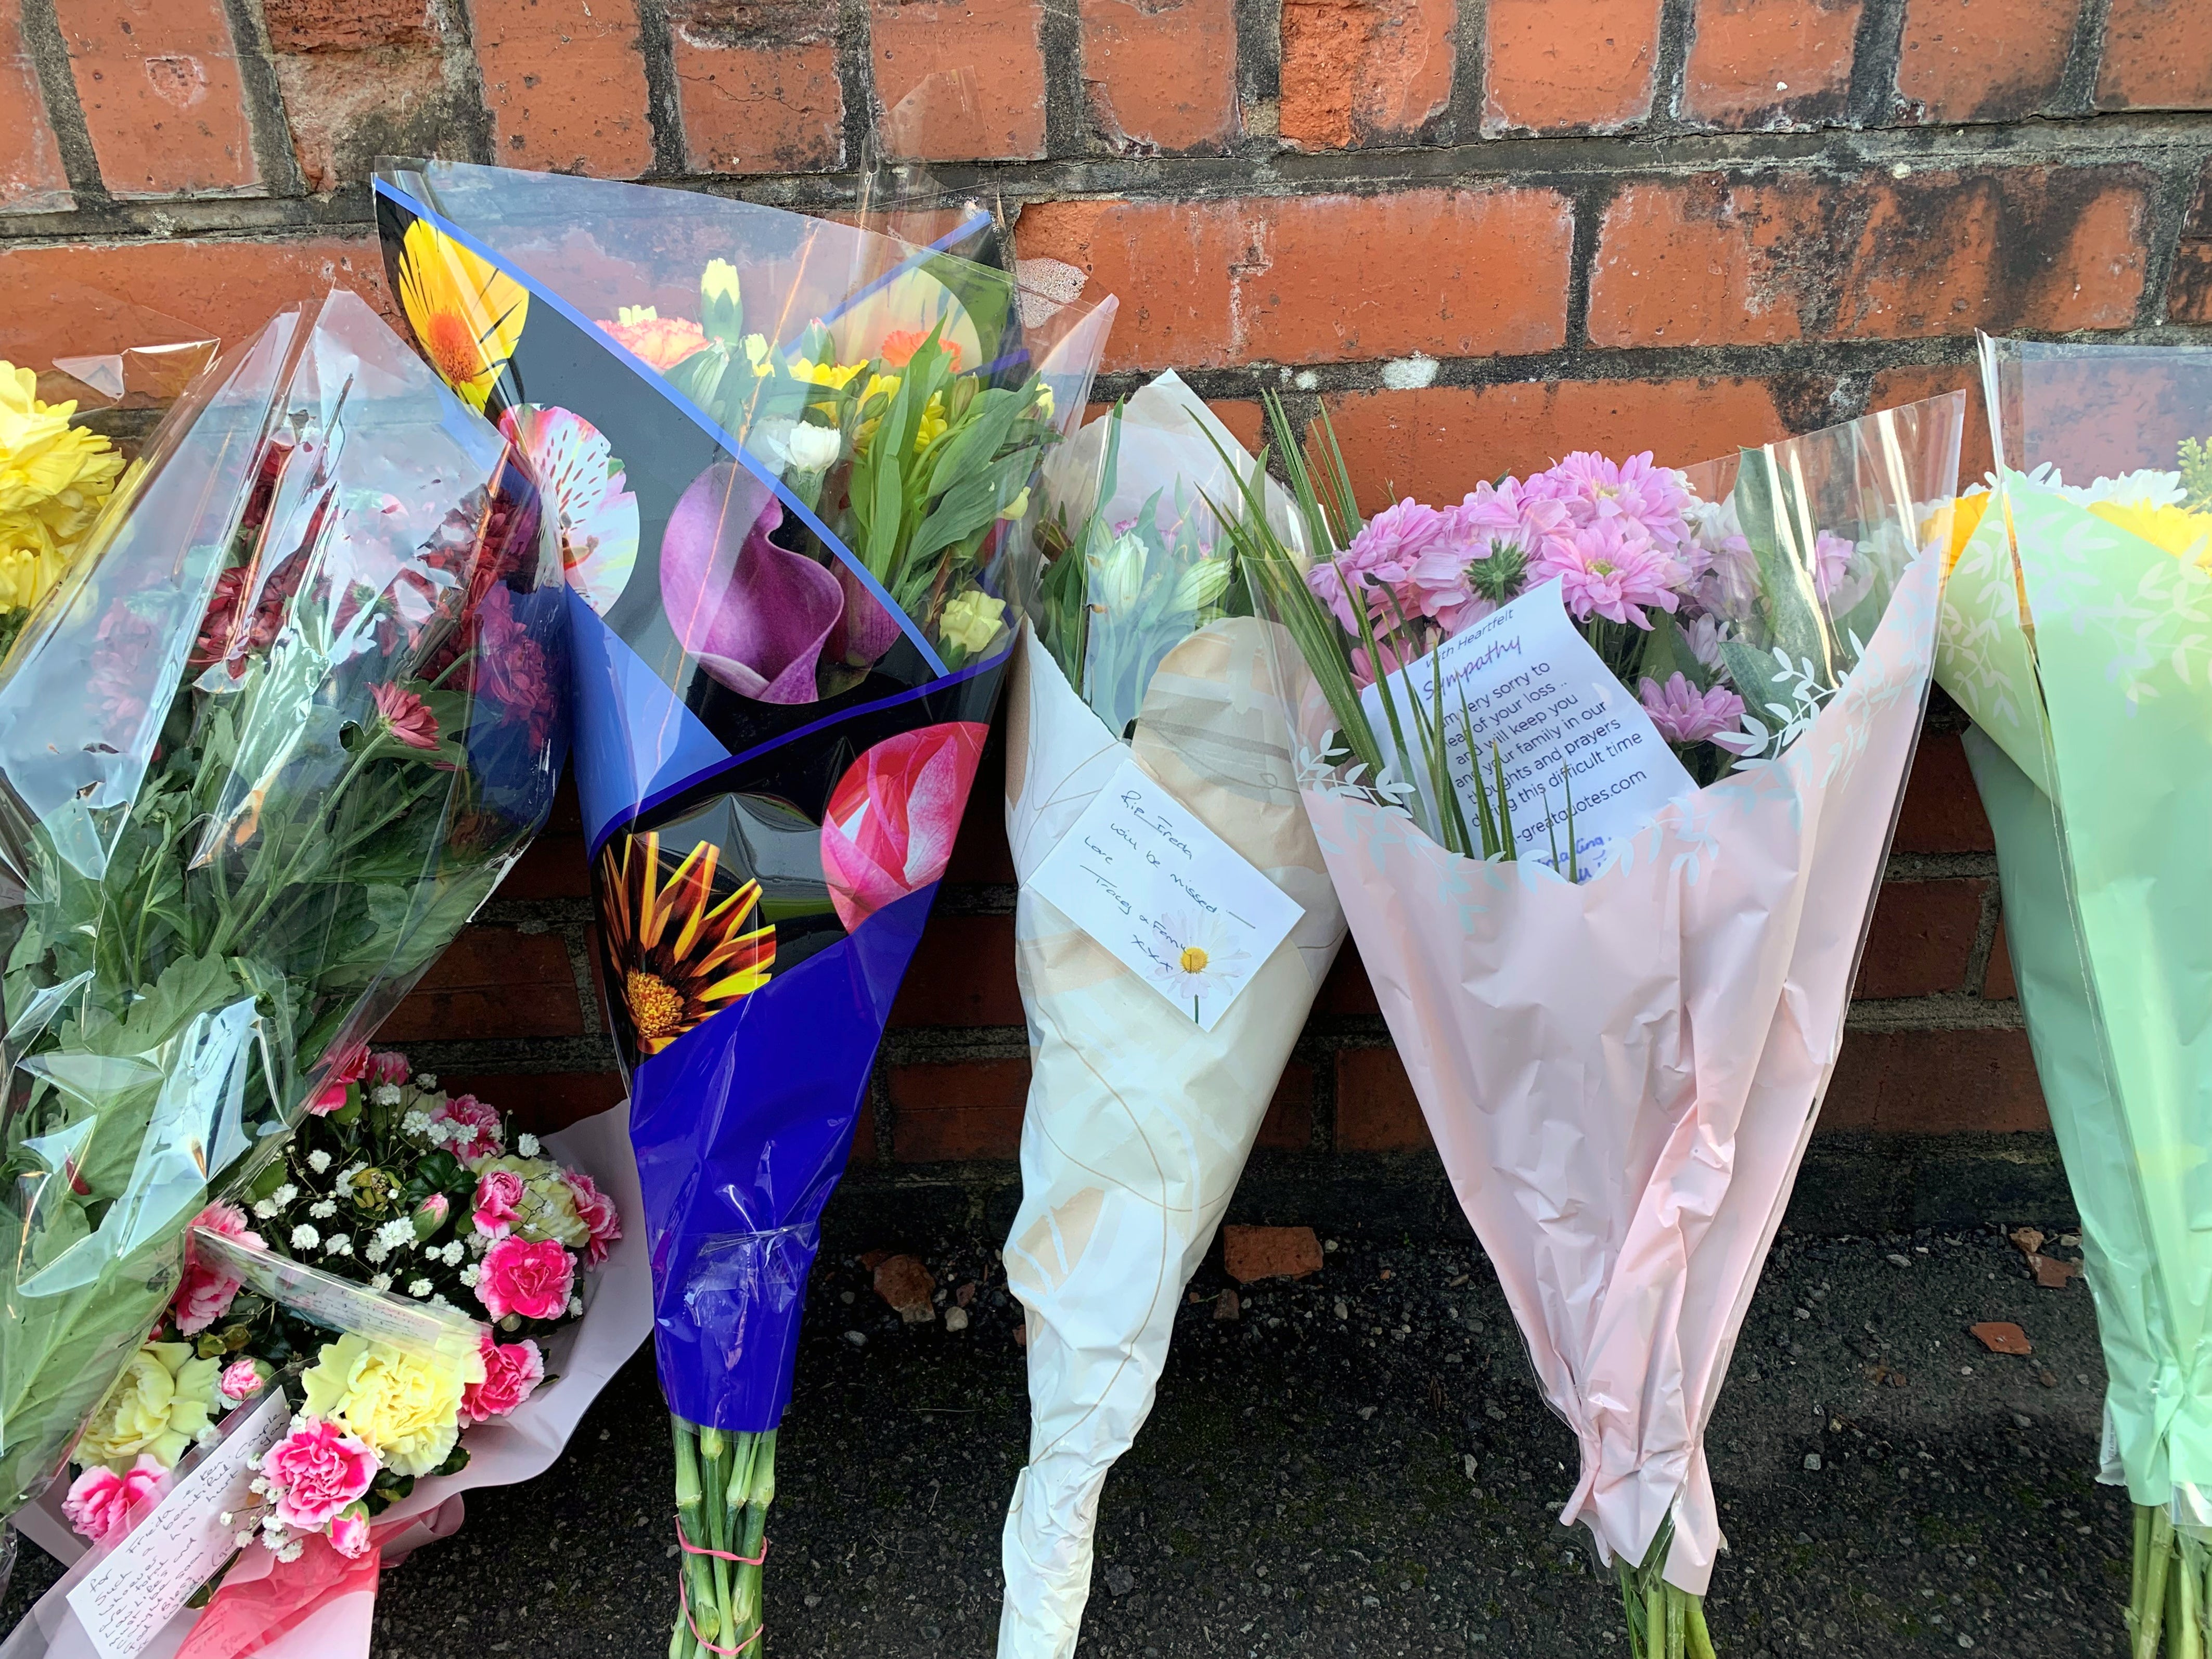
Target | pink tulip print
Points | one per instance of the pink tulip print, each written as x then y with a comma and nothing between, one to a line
754,614
893,816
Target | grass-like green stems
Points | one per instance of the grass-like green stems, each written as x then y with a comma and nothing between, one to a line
724,1484
2170,1590
1663,1622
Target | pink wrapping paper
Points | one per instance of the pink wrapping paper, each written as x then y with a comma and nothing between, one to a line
1621,1077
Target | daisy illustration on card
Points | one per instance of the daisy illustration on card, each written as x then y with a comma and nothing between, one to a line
1199,959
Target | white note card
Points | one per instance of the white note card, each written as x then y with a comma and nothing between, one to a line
148,1578
1179,907
1563,727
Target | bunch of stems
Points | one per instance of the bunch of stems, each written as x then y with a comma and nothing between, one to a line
1663,1622
2170,1591
724,1482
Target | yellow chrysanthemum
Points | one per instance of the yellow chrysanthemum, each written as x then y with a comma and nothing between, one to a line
2173,530
972,621
467,313
833,375
54,479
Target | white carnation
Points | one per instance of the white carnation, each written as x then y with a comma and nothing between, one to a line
813,449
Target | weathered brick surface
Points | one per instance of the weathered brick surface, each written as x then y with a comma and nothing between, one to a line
565,83
32,177
759,87
158,82
1983,60
1941,811
1921,938
2158,55
1375,1110
1770,63
958,1110
1565,65
1161,75
1363,71
346,25
1935,1083
960,80
1318,278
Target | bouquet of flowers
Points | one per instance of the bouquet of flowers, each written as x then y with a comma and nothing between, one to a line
1614,935
1142,660
787,457
2075,634
454,1258
281,728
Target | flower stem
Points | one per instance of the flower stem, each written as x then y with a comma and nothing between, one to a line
2147,1617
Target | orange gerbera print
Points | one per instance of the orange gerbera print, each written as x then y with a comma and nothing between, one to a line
675,957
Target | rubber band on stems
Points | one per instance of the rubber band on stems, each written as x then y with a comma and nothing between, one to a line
683,1598
721,1555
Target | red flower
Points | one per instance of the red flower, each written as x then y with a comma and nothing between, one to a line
515,671
892,817
348,1067
407,716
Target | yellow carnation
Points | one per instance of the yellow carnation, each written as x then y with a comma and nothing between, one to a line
406,1409
165,1398
2173,530
54,479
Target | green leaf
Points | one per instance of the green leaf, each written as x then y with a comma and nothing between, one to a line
1776,522
1666,653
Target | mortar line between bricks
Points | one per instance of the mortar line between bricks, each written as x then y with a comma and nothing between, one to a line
43,43
268,130
1985,939
2085,60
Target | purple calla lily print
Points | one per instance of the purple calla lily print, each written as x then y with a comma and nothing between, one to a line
792,459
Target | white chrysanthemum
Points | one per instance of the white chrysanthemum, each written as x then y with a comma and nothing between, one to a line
319,1160
305,1238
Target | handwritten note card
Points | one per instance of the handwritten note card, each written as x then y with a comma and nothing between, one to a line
1178,905
125,1600
1563,727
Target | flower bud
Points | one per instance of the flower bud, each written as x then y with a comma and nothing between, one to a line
815,448
721,309
430,1215
1202,584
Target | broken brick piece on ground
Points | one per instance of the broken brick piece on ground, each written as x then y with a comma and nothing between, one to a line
2001,1336
1251,1254
903,1282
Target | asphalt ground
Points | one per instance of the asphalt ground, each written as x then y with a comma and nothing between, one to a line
1888,1486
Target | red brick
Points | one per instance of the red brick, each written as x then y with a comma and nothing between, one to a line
960,80
32,179
1288,1125
1363,71
963,974
1936,1083
2189,290
492,982
1702,261
556,865
1893,387
1161,75
1437,443
1376,1111
1318,278
348,108
1943,809
2158,55
759,87
1247,422
565,83
1251,1253
158,80
968,1108
1999,985
347,25
1560,66
1770,63
228,288
1983,60
1922,933
541,1102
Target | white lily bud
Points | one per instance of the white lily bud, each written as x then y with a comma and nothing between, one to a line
1117,576
1202,585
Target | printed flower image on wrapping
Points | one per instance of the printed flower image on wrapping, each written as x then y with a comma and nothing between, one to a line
1620,1036
2076,631
679,951
827,442
467,315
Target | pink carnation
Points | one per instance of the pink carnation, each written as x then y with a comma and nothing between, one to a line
1382,555
241,1380
99,1500
205,1292
1685,714
389,1065
349,1532
317,1470
485,1134
1609,571
499,1202
1832,559
511,1371
596,1210
519,1277
348,1067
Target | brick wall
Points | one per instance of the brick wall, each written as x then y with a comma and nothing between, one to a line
1477,233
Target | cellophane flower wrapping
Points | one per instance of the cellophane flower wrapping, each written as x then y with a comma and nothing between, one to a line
2075,635
278,733
1138,1120
787,458
1621,1074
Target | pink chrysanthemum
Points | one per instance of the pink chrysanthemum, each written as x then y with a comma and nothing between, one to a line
1382,555
1654,499
1685,714
1608,569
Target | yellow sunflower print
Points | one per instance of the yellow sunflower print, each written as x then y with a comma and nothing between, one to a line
466,313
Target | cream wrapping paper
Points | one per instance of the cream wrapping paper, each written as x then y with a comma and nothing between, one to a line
1621,1077
1139,1122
